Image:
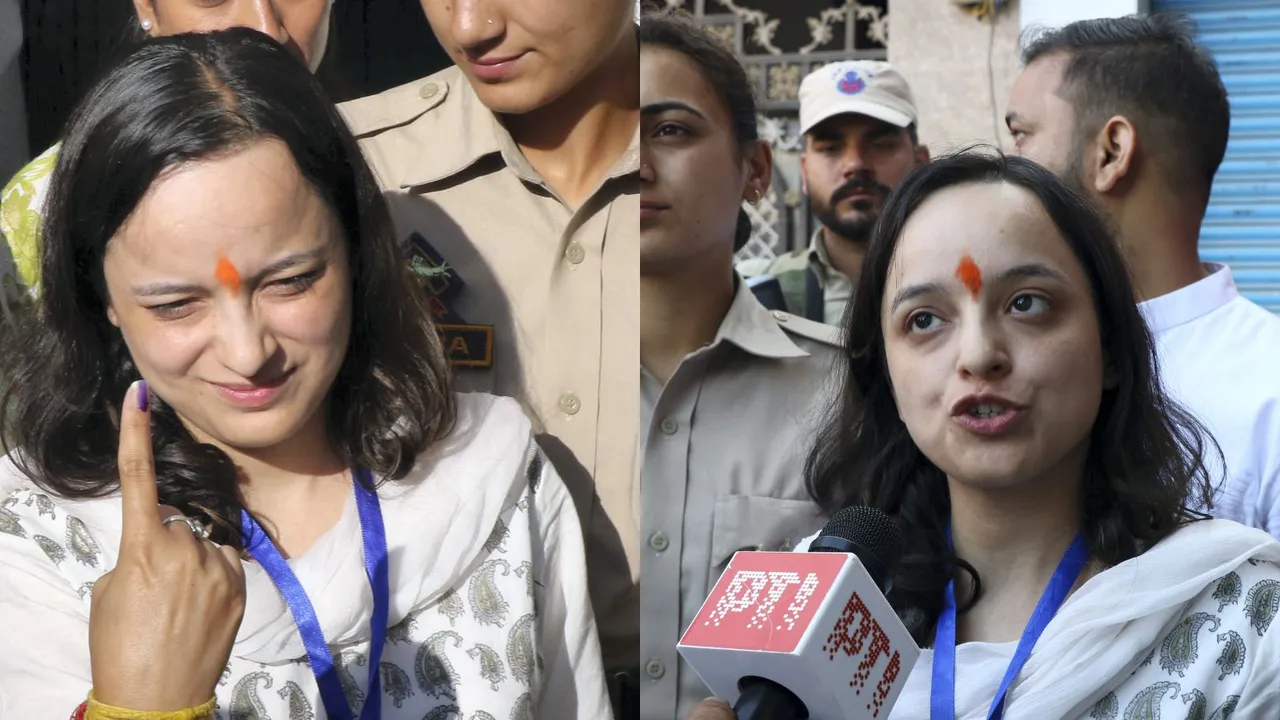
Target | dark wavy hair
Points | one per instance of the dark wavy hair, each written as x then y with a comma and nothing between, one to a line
177,100
1146,453
723,73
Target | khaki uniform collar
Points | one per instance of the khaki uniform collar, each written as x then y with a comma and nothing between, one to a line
471,133
445,130
430,129
480,133
751,327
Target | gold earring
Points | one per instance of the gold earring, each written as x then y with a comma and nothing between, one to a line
759,197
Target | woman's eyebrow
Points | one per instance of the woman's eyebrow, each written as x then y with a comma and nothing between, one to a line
668,105
1017,272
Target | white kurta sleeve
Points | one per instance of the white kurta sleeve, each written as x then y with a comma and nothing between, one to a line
573,683
44,622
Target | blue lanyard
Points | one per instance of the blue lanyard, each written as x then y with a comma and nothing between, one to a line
942,695
260,546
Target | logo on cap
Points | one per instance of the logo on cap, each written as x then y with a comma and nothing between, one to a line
851,83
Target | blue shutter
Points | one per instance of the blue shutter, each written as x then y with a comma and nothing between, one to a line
1242,224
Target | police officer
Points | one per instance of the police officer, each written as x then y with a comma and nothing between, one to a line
859,123
513,176
729,389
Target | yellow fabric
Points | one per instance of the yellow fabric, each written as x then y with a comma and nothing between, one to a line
95,710
22,218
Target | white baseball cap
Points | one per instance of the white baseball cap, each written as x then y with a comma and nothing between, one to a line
863,87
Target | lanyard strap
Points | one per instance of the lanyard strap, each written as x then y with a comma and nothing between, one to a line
942,695
374,535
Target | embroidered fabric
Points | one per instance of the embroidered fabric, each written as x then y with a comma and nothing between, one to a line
489,611
1186,629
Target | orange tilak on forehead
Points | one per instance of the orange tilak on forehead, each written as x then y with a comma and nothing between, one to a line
227,274
970,276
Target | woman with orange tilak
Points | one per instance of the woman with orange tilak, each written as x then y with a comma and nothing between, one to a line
1000,401
238,482
302,26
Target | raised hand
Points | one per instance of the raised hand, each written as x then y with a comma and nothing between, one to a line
163,621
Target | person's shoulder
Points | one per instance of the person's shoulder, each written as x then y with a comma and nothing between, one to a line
19,489
489,432
1256,322
787,262
22,199
812,336
753,267
1245,600
498,425
493,413
77,537
1233,352
41,166
422,99
12,477
1242,558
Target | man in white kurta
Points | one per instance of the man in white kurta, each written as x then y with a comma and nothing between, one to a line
1145,151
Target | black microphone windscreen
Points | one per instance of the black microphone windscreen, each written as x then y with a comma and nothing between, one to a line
873,536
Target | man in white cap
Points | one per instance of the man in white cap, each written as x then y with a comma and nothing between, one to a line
859,124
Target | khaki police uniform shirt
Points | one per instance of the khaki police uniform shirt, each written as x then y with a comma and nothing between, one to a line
725,445
837,288
537,300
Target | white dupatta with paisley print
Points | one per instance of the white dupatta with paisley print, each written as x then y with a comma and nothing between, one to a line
1186,630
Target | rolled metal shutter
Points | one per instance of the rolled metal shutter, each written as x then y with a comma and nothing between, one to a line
1242,224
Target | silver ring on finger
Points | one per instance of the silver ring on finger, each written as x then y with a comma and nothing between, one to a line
197,528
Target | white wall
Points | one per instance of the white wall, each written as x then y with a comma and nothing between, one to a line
1056,13
943,52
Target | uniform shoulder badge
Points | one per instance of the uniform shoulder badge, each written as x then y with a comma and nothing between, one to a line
397,106
821,332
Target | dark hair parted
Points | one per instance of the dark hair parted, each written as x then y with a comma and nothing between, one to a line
178,100
723,73
1149,69
1146,457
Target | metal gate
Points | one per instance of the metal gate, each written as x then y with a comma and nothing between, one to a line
1242,224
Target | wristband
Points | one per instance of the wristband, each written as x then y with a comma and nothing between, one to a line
94,710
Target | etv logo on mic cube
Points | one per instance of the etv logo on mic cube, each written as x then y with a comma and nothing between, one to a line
814,623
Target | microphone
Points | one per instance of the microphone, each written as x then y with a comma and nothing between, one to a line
809,635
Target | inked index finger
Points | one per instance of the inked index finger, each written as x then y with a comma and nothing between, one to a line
136,465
